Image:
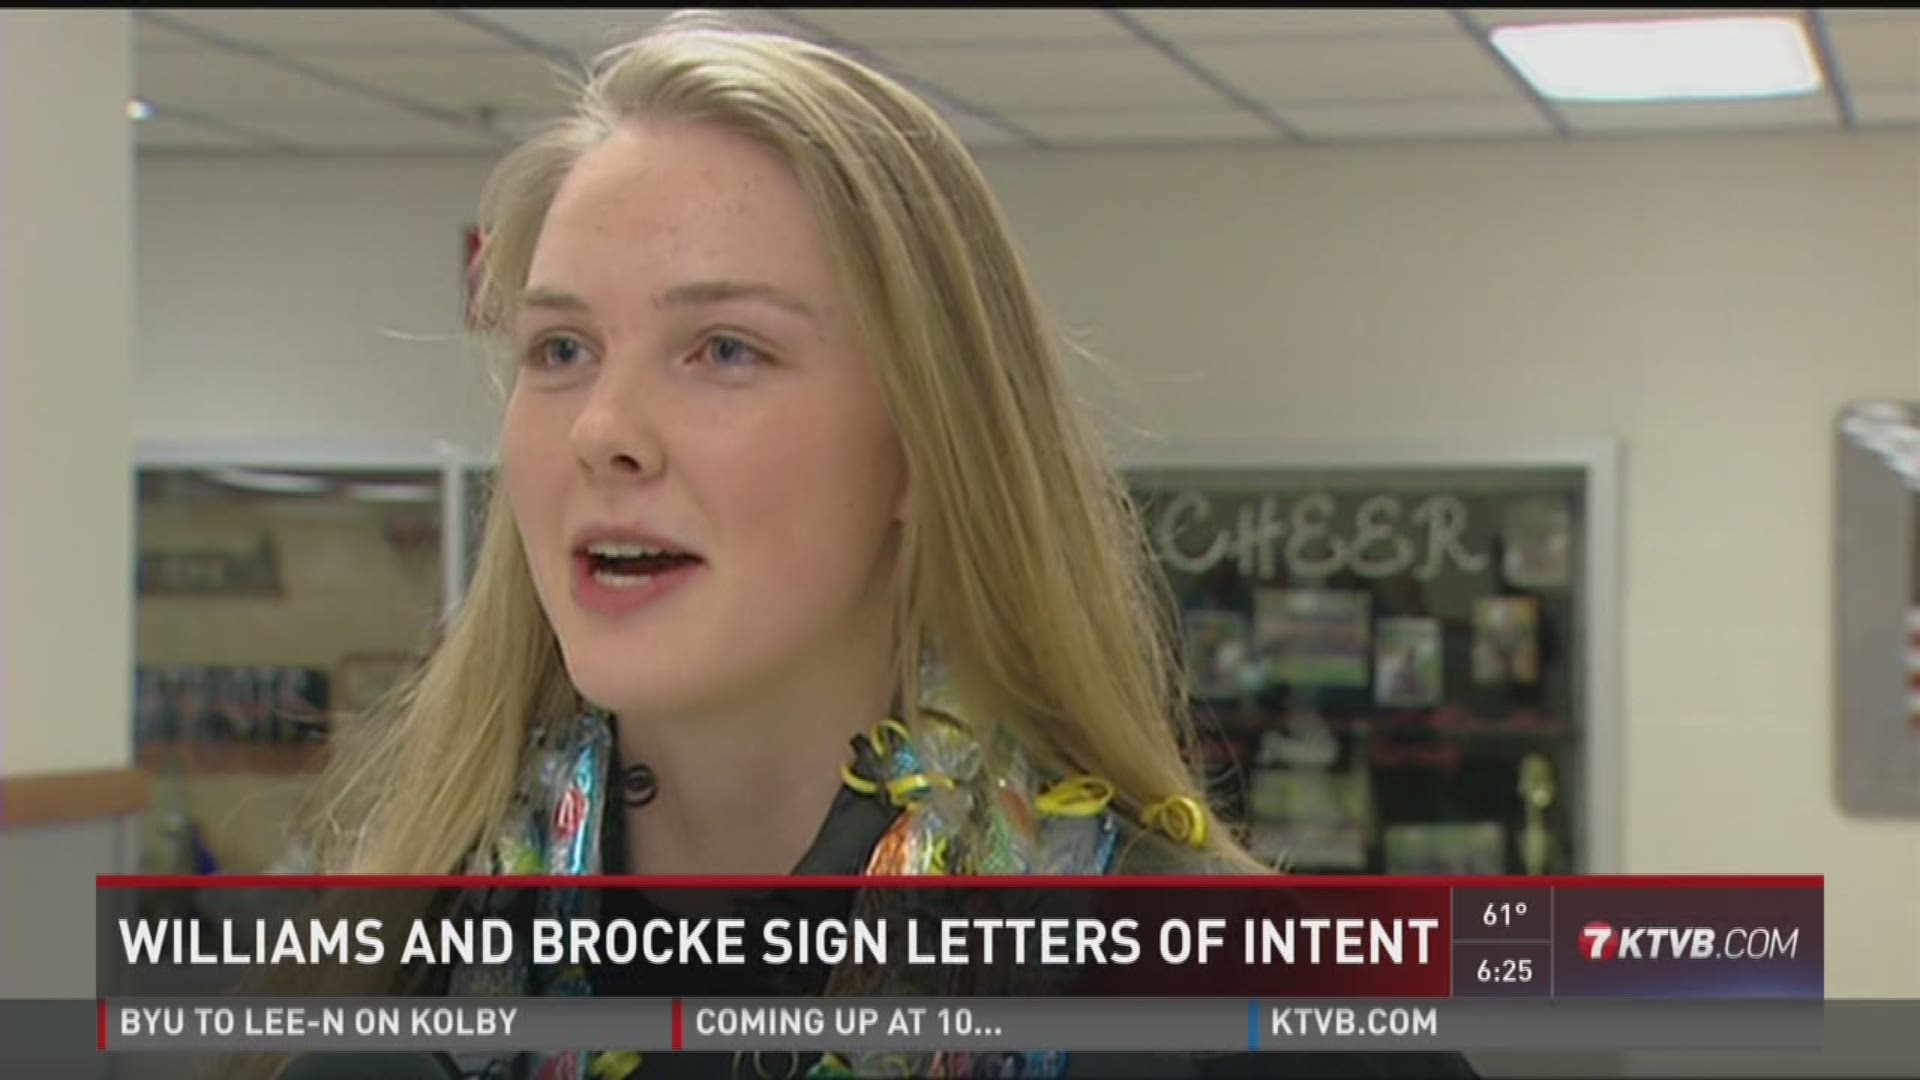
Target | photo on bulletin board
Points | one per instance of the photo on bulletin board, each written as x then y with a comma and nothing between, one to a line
1506,640
1313,637
1538,544
1445,848
1406,663
1298,795
1217,653
1310,818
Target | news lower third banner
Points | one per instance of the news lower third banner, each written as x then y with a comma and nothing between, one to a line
1180,964
1280,936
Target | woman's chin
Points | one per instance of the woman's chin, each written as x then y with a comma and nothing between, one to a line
621,686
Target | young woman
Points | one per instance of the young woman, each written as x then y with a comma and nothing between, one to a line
803,559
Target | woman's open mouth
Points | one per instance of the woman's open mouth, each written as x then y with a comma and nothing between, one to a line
613,577
628,566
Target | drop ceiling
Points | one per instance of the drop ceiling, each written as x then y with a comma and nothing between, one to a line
356,81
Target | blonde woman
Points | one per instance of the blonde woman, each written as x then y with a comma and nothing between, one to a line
801,549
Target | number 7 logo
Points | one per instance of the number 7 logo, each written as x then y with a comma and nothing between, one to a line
1598,941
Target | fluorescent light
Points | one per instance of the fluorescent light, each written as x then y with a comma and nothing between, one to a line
1663,60
269,483
394,493
139,110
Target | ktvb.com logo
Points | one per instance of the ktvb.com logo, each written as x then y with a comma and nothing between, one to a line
1602,942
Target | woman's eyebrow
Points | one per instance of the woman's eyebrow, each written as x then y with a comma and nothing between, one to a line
717,291
722,290
552,298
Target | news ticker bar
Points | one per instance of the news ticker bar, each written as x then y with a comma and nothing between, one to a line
1134,1025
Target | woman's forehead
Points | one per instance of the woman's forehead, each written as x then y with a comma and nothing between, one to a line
694,200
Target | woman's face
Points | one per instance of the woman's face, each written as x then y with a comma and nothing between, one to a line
697,452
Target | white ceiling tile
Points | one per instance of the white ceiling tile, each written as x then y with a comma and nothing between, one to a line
1850,15
516,126
1811,111
973,131
1876,106
1877,53
1491,17
151,36
1419,119
1186,25
1357,68
582,30
210,80
977,134
388,131
504,79
161,133
947,27
335,28
1091,127
1055,77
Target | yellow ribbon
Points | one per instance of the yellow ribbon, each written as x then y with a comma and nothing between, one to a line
1180,818
877,735
905,787
857,782
614,1065
1076,796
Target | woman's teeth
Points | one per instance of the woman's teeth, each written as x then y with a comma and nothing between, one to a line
616,580
621,565
624,551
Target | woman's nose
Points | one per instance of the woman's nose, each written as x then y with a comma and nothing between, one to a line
614,434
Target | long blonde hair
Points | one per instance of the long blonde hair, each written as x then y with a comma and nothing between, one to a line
1023,567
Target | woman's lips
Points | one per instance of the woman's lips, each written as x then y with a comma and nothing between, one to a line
604,592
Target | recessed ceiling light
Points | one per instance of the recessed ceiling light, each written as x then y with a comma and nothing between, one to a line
139,110
1663,59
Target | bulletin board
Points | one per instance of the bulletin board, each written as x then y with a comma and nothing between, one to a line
1393,661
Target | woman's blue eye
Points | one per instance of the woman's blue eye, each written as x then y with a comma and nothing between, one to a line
726,351
560,351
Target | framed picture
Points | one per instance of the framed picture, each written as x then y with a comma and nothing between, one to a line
1876,614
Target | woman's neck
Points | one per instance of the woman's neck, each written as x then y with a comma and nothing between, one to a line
744,789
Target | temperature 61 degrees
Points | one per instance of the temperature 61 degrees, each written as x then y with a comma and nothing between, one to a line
1502,914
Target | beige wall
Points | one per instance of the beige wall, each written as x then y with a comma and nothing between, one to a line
1709,303
66,412
66,395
